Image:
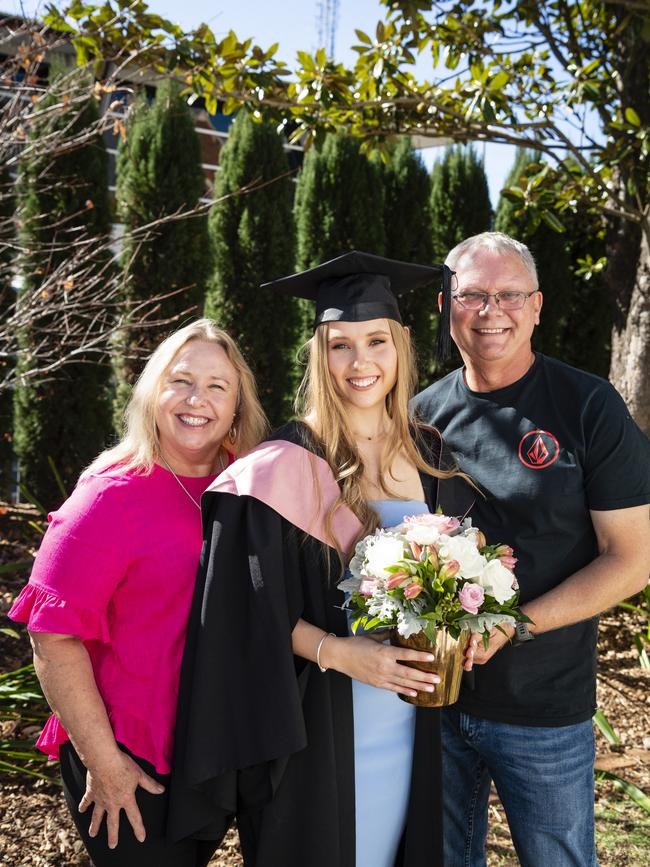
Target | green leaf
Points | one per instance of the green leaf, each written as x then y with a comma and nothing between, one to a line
630,789
499,81
488,111
606,728
552,221
644,661
476,71
363,37
431,631
632,117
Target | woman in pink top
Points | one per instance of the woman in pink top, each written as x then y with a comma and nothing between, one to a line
109,596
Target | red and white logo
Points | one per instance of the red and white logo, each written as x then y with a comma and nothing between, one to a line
538,449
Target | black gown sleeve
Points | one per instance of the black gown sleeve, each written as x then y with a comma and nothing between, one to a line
239,707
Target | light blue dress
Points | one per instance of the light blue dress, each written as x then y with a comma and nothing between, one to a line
384,731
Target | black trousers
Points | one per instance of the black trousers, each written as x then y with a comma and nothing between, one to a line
155,851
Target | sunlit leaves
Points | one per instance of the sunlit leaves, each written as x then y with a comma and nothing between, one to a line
520,72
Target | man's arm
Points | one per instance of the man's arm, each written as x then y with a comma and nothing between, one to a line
620,570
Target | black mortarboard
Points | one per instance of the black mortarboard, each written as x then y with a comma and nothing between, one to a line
356,287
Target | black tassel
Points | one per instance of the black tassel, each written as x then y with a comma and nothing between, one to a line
444,333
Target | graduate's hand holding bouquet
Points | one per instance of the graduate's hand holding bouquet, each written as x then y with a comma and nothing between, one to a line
430,579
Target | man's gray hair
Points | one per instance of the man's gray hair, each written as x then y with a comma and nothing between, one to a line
495,242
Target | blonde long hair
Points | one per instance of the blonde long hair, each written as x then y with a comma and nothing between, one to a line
139,447
321,409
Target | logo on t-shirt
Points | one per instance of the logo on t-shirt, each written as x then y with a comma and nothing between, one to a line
538,449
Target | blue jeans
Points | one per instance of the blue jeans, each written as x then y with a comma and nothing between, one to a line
544,777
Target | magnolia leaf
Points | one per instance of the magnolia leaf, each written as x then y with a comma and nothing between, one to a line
552,221
488,111
363,37
632,117
499,81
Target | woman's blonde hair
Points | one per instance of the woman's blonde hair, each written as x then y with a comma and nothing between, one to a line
139,447
321,409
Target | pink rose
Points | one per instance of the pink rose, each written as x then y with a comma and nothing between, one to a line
471,597
504,551
509,562
368,587
441,523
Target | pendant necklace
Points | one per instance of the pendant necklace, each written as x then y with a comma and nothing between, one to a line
196,503
378,436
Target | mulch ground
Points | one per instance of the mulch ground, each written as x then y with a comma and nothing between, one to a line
36,830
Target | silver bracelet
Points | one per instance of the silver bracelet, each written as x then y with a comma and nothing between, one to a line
318,649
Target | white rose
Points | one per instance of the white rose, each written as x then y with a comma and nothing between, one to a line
497,581
465,552
422,534
383,551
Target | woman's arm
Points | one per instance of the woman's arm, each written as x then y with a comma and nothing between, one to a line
365,659
64,670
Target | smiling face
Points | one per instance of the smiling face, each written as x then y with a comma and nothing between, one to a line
362,361
493,338
195,407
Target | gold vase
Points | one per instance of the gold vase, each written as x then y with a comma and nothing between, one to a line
448,655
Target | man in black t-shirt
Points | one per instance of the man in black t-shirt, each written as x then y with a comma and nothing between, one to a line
566,477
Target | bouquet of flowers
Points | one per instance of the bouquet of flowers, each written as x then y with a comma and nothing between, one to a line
432,573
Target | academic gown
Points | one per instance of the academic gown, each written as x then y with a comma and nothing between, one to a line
262,734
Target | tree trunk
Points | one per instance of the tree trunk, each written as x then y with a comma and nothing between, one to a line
630,363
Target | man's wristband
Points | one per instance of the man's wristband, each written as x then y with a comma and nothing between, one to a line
521,635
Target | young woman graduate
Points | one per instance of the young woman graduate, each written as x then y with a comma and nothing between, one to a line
286,719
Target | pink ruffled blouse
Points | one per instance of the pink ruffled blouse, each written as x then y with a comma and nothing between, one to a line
117,568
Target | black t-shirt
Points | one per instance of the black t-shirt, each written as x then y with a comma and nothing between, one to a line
545,451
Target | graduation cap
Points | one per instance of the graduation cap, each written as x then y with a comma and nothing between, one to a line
357,287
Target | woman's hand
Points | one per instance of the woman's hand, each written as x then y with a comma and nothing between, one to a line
366,660
111,789
64,670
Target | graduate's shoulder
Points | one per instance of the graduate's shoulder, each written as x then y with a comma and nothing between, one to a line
285,475
297,433
286,459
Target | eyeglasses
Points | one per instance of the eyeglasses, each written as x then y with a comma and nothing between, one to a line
505,300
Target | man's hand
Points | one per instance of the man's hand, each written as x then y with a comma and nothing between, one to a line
476,654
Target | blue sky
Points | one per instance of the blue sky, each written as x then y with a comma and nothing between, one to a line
294,25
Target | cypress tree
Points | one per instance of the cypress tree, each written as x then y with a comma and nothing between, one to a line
460,207
252,241
339,203
60,198
460,199
7,300
572,326
159,173
339,207
407,222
